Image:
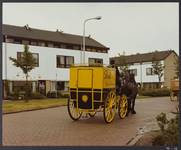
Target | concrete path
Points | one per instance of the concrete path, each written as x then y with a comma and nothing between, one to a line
54,127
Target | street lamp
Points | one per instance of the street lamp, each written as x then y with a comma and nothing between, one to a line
96,18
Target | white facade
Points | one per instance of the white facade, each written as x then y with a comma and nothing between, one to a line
47,62
142,76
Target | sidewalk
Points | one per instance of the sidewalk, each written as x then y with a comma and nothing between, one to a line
150,127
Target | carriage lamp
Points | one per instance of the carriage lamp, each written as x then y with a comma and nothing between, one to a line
96,18
84,98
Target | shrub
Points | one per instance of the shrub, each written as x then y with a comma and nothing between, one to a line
65,95
16,93
154,92
37,95
8,98
169,135
52,94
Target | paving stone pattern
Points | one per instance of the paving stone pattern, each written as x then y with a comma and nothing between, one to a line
54,127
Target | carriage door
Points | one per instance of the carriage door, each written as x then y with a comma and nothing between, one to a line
85,82
85,78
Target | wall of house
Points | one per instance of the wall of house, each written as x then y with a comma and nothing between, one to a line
169,69
142,76
47,63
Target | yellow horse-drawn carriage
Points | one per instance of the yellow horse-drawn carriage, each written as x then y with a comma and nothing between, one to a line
174,89
92,88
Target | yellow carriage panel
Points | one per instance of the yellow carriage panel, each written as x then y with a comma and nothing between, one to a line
109,78
73,78
85,78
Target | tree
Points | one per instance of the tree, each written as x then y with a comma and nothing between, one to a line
26,64
123,64
176,63
157,66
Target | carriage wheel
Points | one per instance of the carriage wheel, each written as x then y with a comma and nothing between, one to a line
178,96
172,96
74,113
110,107
92,114
123,106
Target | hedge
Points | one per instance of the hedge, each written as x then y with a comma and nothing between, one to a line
154,92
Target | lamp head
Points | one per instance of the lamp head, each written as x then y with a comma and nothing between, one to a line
98,18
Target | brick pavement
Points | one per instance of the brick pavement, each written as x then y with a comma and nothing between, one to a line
54,127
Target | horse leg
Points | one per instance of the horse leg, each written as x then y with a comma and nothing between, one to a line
133,103
129,107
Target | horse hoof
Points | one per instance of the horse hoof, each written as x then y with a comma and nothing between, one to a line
127,113
133,112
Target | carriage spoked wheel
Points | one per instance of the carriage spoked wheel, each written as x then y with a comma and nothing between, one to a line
178,96
110,107
92,114
123,106
172,96
74,113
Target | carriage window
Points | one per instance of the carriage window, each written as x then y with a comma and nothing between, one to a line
94,60
64,61
149,71
133,71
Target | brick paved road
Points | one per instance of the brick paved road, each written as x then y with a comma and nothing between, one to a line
54,126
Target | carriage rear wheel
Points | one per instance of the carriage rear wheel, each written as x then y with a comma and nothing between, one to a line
123,106
110,107
172,96
74,113
92,114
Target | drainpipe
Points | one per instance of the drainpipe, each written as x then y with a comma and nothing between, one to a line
141,74
6,57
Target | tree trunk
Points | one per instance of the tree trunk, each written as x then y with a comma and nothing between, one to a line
26,87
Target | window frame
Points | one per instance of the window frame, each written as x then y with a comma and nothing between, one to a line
20,53
152,72
64,65
96,59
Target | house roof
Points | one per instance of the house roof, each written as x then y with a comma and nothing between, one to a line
145,57
44,35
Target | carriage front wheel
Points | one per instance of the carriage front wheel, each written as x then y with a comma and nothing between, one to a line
123,106
172,96
74,113
110,107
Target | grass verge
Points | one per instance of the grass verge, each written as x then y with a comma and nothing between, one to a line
13,106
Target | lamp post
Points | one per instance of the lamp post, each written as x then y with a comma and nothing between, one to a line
96,18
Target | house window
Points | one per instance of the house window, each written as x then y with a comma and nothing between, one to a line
104,51
34,43
9,40
88,49
63,46
25,42
56,45
16,41
93,50
76,47
149,71
64,61
95,60
41,44
99,51
35,58
69,47
133,71
50,45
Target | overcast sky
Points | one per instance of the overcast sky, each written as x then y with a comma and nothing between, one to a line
130,27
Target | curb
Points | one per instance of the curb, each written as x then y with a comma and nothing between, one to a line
6,113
